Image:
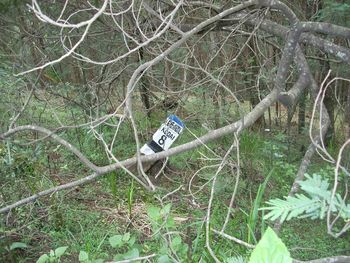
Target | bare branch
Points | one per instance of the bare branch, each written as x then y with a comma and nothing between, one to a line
55,137
326,28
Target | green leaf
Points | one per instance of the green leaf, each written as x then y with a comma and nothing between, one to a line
116,241
15,245
60,251
238,259
298,205
270,249
83,256
118,257
126,237
132,241
154,213
43,259
133,253
166,209
164,259
176,243
170,222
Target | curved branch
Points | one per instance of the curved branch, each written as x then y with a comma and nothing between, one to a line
326,28
281,31
55,137
282,7
290,98
50,191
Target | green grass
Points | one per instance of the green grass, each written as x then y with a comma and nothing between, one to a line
80,224
308,239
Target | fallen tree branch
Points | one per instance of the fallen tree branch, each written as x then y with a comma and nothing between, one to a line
336,259
134,259
55,137
238,241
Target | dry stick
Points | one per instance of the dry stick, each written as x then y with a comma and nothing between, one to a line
50,191
336,259
112,156
62,128
238,241
200,187
236,185
320,147
207,220
331,224
88,25
134,259
221,233
55,137
36,9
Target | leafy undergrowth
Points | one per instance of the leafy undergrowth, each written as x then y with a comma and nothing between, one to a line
114,218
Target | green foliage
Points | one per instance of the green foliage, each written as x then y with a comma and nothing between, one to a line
131,196
53,256
16,245
314,204
6,5
238,259
117,241
125,246
163,222
270,249
83,256
335,12
17,161
160,217
112,180
253,216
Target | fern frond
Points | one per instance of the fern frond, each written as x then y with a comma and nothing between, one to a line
315,186
291,207
314,205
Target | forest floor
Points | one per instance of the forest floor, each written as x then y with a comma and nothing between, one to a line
86,218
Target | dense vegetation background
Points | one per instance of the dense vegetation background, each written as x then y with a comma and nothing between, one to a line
262,86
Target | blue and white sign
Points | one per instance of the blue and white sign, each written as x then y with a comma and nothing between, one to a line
165,136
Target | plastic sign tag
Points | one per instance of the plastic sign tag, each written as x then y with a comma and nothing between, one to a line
165,136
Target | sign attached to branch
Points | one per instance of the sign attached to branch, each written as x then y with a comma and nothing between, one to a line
164,137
